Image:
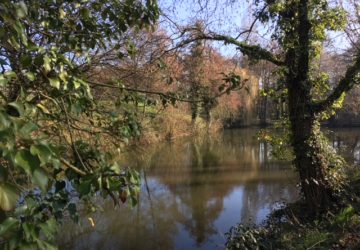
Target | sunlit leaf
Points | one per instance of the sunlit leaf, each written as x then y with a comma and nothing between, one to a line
8,197
30,76
55,82
21,10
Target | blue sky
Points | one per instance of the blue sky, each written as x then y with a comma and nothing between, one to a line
225,18
222,18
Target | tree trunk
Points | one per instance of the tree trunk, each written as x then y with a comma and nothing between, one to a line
310,159
263,110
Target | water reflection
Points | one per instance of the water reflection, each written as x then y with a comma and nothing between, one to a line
347,142
193,191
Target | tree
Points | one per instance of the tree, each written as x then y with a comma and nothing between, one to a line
55,136
300,30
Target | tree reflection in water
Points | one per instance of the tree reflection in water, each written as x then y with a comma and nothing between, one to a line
193,191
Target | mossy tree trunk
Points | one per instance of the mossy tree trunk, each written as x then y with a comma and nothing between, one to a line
310,155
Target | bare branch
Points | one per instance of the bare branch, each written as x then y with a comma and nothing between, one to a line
248,31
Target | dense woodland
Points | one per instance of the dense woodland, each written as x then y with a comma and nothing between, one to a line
82,81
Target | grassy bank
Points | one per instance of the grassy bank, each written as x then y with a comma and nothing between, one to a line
292,228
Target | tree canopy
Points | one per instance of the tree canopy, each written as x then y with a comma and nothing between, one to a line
46,151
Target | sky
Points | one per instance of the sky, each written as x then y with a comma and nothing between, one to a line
220,17
225,17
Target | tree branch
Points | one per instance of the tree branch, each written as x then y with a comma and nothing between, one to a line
351,78
253,51
248,31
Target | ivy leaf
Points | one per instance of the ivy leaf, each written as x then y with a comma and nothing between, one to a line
40,178
8,197
62,14
21,10
49,228
28,128
18,106
29,232
4,120
26,60
47,65
42,151
116,168
55,82
27,161
85,187
30,76
8,225
3,80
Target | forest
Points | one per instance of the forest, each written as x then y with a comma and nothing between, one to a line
165,124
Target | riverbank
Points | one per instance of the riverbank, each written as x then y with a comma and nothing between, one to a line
173,124
291,227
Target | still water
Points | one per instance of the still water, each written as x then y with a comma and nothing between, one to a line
194,190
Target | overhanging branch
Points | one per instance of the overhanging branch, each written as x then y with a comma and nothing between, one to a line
351,78
253,51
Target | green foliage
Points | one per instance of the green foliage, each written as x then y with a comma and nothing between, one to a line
292,228
247,238
280,141
51,126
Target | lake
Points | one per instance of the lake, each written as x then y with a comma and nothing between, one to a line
194,190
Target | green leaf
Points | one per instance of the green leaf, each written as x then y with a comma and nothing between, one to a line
27,161
55,82
43,245
116,168
62,14
77,84
10,74
21,210
18,106
43,108
21,10
29,230
28,128
85,13
43,152
133,201
46,61
8,197
30,76
4,120
49,228
8,225
26,60
3,80
85,187
3,173
39,177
